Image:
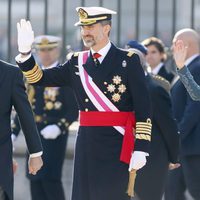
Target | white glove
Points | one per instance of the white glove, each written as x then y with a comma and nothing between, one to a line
25,36
138,160
51,132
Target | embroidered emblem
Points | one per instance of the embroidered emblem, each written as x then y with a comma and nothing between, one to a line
117,80
111,88
116,97
82,14
122,88
129,54
124,63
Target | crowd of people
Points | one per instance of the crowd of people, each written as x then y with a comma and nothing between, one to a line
134,114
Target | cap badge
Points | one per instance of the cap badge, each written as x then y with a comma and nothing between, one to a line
44,41
82,14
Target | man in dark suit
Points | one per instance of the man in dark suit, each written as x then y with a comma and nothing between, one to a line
187,113
55,109
112,97
156,57
13,93
151,179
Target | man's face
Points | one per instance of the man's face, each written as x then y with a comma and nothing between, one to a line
154,56
94,34
48,56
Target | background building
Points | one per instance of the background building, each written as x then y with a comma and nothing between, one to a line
136,19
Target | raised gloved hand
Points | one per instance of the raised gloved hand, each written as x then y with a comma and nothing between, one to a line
51,131
25,36
138,160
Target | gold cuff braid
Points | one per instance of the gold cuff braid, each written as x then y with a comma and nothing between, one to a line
33,75
143,130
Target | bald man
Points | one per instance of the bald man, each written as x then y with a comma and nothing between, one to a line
187,113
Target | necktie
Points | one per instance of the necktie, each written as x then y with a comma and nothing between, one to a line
95,57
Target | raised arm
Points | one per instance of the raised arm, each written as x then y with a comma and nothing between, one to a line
180,51
58,76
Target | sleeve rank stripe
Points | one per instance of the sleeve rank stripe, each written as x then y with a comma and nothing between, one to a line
143,124
36,78
143,129
33,75
143,137
143,133
32,71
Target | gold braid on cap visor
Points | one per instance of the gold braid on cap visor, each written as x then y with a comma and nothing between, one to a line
89,21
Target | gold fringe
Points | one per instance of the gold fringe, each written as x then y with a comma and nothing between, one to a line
131,183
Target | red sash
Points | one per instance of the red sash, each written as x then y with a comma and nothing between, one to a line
125,119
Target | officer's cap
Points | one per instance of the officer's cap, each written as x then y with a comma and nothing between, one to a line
46,42
136,45
93,15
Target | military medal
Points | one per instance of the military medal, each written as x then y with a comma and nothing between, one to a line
122,88
117,80
116,97
57,105
111,88
49,105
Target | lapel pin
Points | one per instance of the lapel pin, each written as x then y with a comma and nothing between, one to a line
124,63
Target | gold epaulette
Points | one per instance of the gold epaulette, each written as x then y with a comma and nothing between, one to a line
162,82
143,130
76,54
33,75
130,53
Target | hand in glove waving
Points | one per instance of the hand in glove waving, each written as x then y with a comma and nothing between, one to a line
25,36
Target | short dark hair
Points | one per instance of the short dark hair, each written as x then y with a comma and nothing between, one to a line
157,43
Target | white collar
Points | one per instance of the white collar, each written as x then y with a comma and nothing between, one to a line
102,51
51,66
190,59
157,68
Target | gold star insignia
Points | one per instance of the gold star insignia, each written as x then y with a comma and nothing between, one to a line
116,97
111,88
117,80
122,88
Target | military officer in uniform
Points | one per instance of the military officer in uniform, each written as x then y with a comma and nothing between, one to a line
55,109
113,101
13,94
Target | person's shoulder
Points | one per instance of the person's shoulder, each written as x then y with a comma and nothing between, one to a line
8,67
126,53
159,86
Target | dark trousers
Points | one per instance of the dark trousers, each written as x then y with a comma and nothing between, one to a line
188,177
47,190
2,194
175,187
